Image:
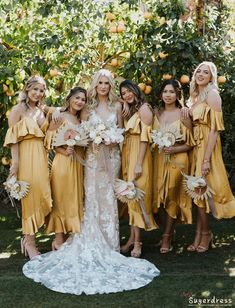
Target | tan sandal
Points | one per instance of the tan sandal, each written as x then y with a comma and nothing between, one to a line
210,243
137,250
127,247
166,249
193,247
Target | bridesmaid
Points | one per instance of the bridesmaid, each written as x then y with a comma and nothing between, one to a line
137,161
167,188
67,175
25,137
207,117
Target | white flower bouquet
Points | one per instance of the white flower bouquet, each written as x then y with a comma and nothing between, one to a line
71,135
99,132
166,136
16,189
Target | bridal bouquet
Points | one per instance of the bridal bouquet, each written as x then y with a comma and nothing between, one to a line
16,189
99,132
69,134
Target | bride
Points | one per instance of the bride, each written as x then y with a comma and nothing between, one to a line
90,261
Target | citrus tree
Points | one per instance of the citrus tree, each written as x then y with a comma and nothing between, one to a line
67,41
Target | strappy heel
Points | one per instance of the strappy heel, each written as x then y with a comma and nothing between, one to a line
28,247
127,247
210,243
137,250
166,249
193,247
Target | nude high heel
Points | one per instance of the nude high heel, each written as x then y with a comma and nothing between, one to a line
193,247
170,247
137,250
28,247
210,243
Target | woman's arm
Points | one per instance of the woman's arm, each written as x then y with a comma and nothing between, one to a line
146,117
119,115
65,151
214,101
14,117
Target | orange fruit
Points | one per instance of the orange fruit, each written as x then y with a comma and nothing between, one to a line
5,161
148,90
149,81
221,79
148,15
5,88
114,62
53,72
121,27
10,93
163,55
142,86
184,79
167,76
110,16
113,29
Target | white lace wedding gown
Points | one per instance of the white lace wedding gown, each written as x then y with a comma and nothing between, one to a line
90,261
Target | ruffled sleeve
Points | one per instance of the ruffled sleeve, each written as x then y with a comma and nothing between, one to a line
19,131
217,122
145,132
187,135
133,124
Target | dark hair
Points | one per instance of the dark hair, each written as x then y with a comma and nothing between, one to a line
72,92
178,90
139,96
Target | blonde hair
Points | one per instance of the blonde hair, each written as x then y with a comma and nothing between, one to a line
92,93
194,89
23,96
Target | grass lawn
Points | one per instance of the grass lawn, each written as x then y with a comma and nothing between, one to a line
183,274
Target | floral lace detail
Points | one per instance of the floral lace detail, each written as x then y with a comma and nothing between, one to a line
90,261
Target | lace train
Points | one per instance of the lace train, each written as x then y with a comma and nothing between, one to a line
90,261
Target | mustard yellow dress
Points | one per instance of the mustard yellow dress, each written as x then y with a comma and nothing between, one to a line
167,181
205,119
135,132
33,168
67,191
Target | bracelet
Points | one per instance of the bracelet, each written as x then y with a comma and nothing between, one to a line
206,161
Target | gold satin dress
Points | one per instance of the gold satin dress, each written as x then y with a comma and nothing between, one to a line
135,132
167,180
67,191
205,119
33,168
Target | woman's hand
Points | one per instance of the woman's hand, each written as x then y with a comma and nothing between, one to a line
69,150
138,171
206,167
185,113
56,116
125,110
14,169
169,150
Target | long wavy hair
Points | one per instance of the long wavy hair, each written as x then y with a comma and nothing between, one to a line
74,91
194,89
23,96
139,99
92,92
178,91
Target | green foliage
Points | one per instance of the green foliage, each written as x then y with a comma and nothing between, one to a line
66,41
